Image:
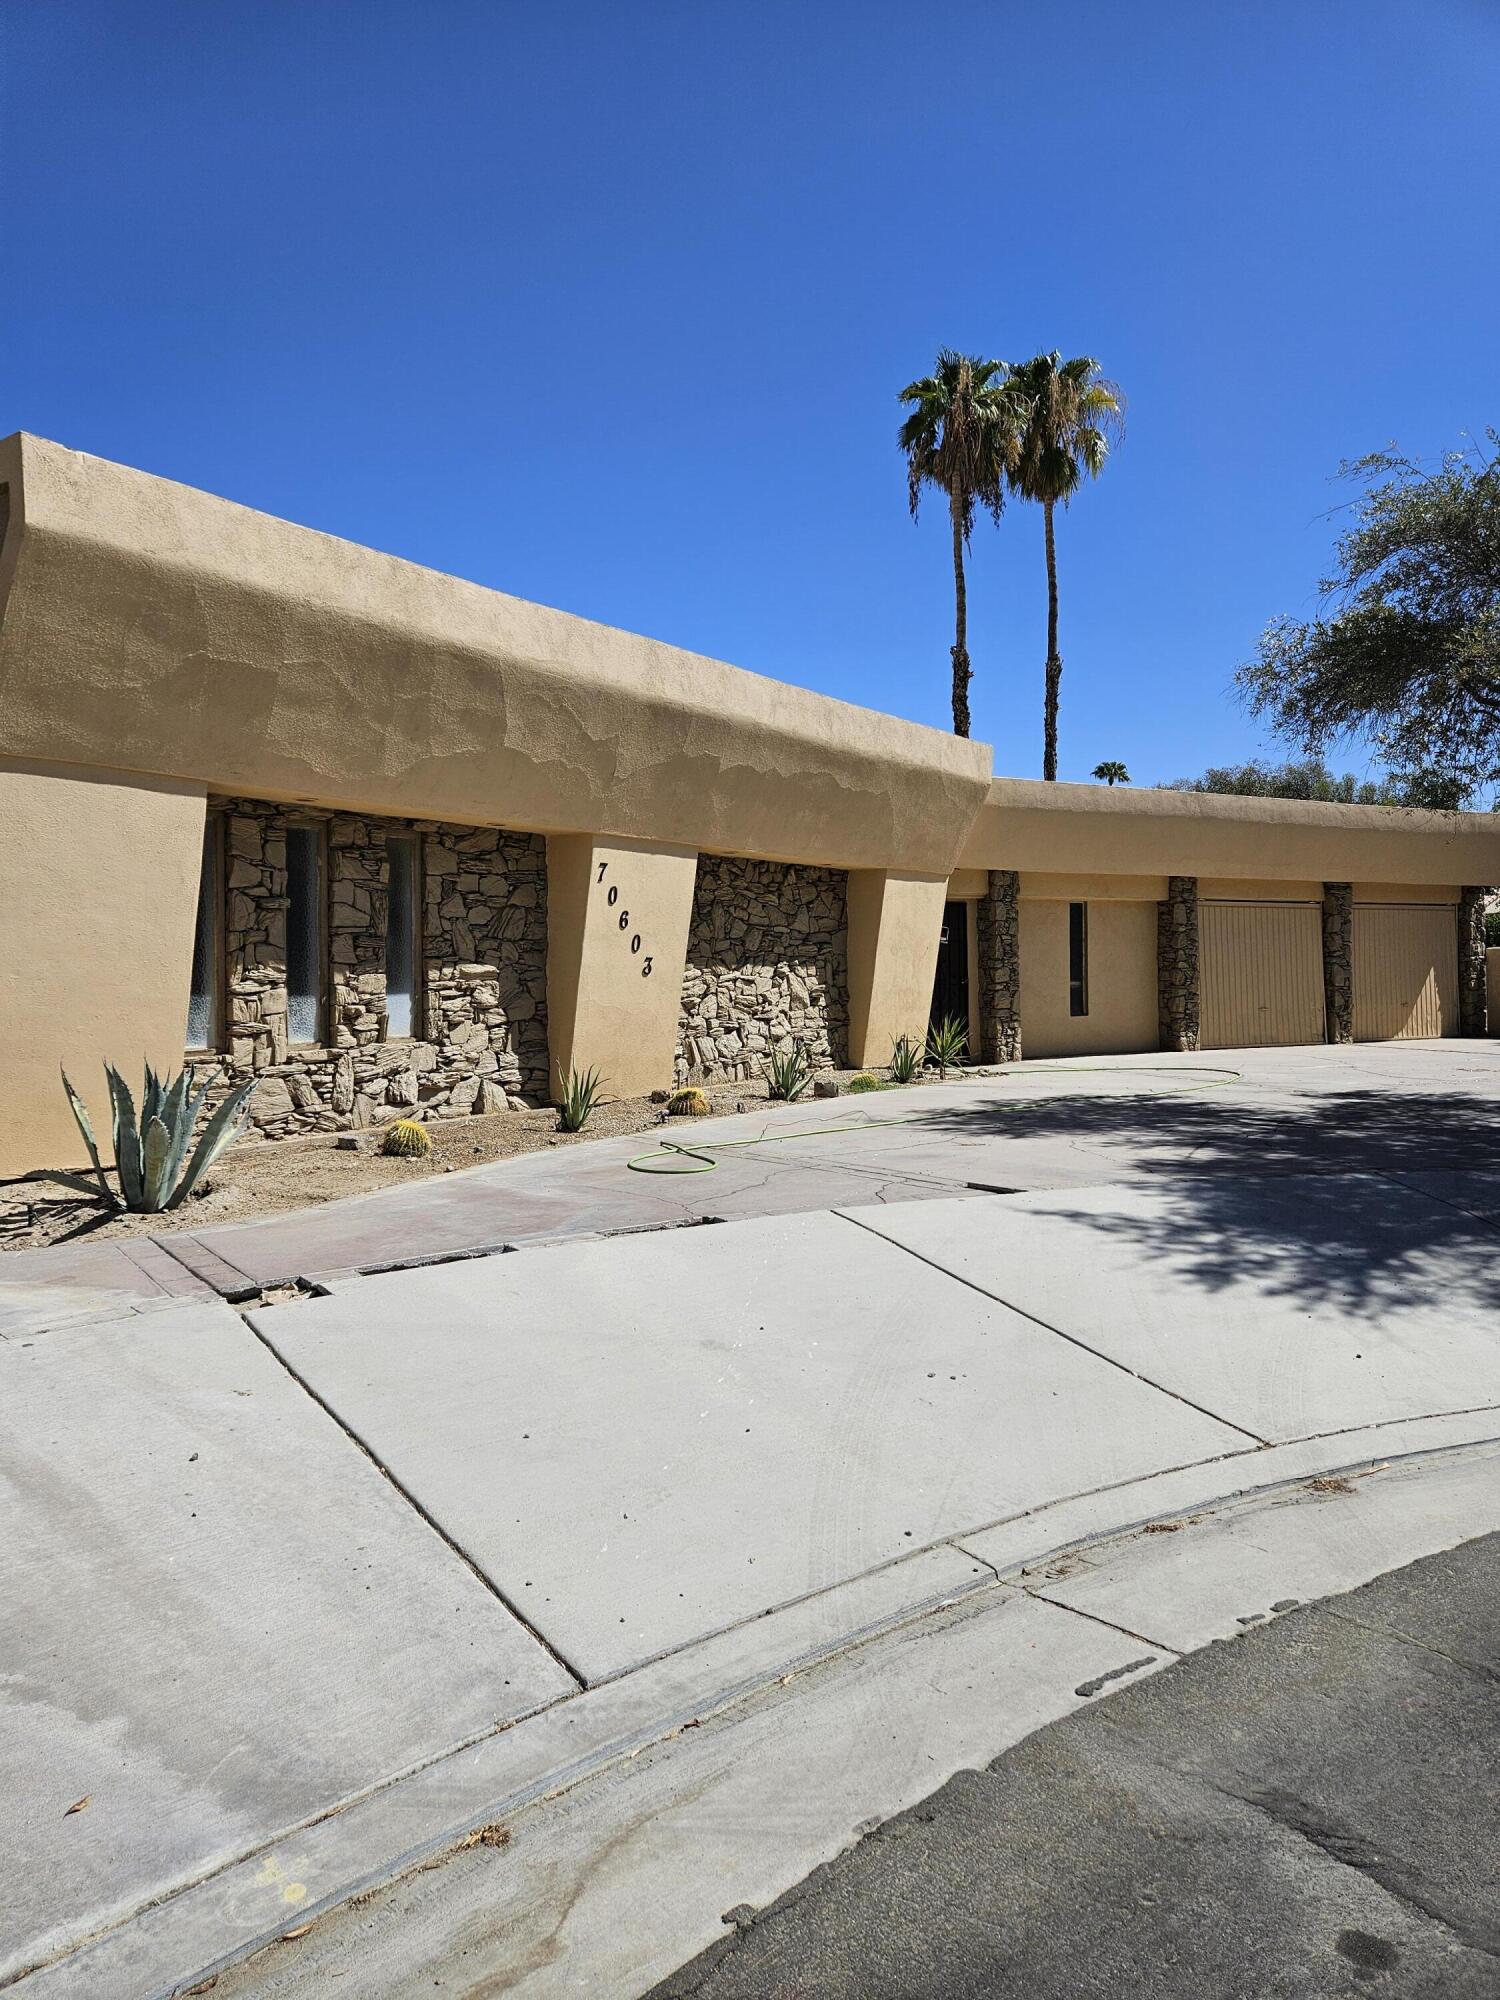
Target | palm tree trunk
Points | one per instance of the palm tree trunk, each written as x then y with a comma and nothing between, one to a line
961,671
1054,658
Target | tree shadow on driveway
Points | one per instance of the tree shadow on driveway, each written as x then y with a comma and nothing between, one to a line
1362,1201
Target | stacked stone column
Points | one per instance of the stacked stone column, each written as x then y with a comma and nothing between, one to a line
1471,961
1178,996
1338,961
999,937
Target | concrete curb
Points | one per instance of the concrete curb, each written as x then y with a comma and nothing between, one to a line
408,1824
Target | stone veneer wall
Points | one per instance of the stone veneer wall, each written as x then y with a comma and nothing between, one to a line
767,969
482,1012
1338,961
999,939
1177,989
1472,999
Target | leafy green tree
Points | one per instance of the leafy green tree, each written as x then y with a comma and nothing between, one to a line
1111,772
962,438
1311,779
1073,415
1407,653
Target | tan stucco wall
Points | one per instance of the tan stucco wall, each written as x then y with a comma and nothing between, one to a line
1122,1014
1406,892
894,925
604,1009
150,627
98,896
1234,889
965,885
1028,825
1093,888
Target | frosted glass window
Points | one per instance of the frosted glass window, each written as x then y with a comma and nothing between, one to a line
203,999
401,935
304,932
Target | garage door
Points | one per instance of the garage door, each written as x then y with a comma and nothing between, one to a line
1261,972
1405,970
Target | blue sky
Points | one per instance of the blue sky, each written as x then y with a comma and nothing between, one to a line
607,305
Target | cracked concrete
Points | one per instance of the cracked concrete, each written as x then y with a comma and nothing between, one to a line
631,1484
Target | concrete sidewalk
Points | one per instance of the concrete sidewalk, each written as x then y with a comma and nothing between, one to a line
302,1597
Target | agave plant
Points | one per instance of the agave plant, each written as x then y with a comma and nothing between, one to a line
906,1060
788,1076
579,1099
947,1041
151,1151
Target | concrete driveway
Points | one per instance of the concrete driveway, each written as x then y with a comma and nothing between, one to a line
1391,1108
307,1593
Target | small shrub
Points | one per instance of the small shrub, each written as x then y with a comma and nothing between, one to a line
689,1103
946,1042
150,1150
906,1060
407,1139
579,1099
864,1081
788,1076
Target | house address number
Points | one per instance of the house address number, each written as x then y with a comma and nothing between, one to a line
612,897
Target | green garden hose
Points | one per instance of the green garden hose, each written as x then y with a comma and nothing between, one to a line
673,1157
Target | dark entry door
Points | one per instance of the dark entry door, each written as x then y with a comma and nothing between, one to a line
950,990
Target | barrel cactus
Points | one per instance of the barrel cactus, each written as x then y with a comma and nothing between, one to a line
407,1139
689,1103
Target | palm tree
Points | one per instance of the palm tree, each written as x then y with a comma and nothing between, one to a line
1112,771
962,437
1073,415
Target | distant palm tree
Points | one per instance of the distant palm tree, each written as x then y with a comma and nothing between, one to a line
1073,416
962,436
1112,771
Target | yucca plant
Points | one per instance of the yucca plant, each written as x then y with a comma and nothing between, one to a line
150,1149
947,1041
788,1076
906,1060
579,1099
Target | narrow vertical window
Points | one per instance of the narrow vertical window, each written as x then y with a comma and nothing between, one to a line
304,932
1078,958
203,996
401,935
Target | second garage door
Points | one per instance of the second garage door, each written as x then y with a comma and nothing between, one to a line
1261,974
1405,970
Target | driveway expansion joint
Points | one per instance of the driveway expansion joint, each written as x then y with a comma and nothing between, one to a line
422,1512
1047,1327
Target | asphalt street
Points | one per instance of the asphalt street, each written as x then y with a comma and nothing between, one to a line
1310,1811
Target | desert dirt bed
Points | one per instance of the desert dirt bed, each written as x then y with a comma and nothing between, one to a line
266,1178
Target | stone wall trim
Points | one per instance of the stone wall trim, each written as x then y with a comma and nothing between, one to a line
999,949
1338,961
1179,996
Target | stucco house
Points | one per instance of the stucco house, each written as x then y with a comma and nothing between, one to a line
385,839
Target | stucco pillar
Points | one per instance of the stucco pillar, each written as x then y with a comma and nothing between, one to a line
1471,961
1338,961
98,902
1178,997
895,922
618,913
999,914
